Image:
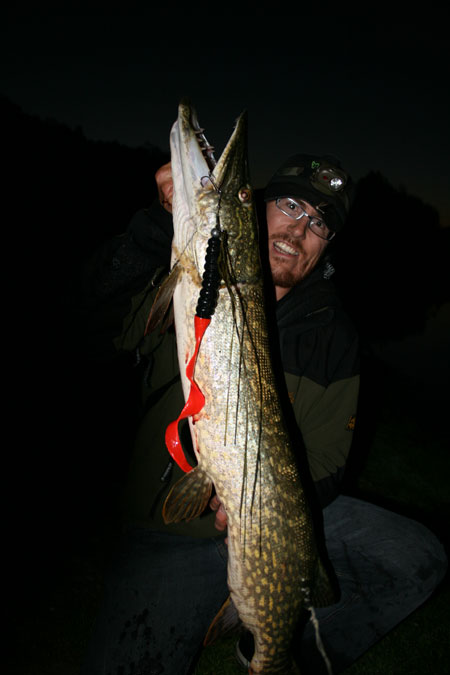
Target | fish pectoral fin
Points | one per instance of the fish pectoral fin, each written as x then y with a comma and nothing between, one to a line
188,498
161,303
226,621
168,319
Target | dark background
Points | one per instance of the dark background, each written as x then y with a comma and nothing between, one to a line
362,84
88,99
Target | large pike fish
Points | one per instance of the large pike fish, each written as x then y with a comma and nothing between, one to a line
240,439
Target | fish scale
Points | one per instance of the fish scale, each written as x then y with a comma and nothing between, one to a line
240,439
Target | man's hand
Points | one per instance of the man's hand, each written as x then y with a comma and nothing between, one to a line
221,517
164,183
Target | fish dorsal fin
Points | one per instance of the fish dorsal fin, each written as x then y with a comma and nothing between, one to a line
226,621
188,498
159,309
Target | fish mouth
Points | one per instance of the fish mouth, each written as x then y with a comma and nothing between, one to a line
206,148
200,170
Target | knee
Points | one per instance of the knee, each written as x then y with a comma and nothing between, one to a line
433,563
424,556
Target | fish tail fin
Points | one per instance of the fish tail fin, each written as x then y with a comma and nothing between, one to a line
226,621
188,498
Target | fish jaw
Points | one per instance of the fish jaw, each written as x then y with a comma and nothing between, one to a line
210,194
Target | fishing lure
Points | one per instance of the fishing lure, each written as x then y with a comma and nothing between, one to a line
206,305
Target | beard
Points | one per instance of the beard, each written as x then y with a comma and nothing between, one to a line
282,276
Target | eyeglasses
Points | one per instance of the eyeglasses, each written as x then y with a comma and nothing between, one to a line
294,210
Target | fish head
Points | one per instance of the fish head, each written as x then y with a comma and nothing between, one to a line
213,195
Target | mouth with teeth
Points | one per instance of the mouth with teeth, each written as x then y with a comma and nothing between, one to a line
284,248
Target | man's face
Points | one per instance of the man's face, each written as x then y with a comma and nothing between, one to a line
294,250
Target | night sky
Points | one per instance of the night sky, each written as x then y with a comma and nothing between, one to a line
363,87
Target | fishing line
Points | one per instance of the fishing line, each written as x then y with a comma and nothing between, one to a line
243,330
315,623
319,643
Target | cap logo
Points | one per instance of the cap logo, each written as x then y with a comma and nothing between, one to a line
321,206
314,164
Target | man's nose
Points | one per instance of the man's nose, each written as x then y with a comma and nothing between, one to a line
298,227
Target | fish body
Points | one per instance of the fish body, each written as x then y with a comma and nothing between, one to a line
239,436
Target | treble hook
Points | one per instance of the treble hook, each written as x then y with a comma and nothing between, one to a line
204,180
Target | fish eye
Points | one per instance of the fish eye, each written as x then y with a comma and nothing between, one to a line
244,194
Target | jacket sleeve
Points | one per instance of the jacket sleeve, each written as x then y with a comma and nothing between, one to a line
326,418
324,399
118,271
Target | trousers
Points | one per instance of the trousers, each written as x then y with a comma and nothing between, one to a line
162,591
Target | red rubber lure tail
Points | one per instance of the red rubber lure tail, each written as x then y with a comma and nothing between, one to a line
194,403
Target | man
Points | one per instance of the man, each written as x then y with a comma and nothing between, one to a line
167,582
